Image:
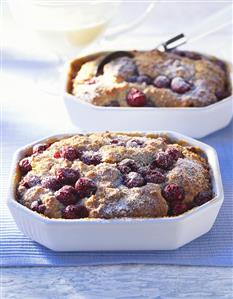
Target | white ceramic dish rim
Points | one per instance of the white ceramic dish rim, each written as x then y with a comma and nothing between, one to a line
205,108
217,182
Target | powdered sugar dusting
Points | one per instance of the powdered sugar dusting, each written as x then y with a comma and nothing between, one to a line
114,197
208,81
191,175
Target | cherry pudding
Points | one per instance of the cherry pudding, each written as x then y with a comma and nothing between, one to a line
150,79
114,175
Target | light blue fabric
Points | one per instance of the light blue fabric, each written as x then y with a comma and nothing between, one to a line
212,249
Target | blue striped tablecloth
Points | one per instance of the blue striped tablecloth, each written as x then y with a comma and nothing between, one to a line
212,249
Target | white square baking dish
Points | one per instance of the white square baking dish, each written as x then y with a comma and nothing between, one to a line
119,234
196,122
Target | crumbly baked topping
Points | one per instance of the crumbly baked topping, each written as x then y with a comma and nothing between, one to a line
113,175
152,79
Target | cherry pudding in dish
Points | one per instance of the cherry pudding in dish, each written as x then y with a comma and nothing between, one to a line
113,175
149,79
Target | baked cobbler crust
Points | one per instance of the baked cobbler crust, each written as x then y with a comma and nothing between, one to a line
166,79
113,175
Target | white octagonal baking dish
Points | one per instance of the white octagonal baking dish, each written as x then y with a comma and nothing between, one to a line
196,122
165,233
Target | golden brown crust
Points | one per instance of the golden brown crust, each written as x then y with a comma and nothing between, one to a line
146,201
208,79
113,197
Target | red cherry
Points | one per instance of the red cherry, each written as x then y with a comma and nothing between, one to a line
134,179
136,98
69,153
57,155
179,85
85,187
173,192
25,166
75,212
67,195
